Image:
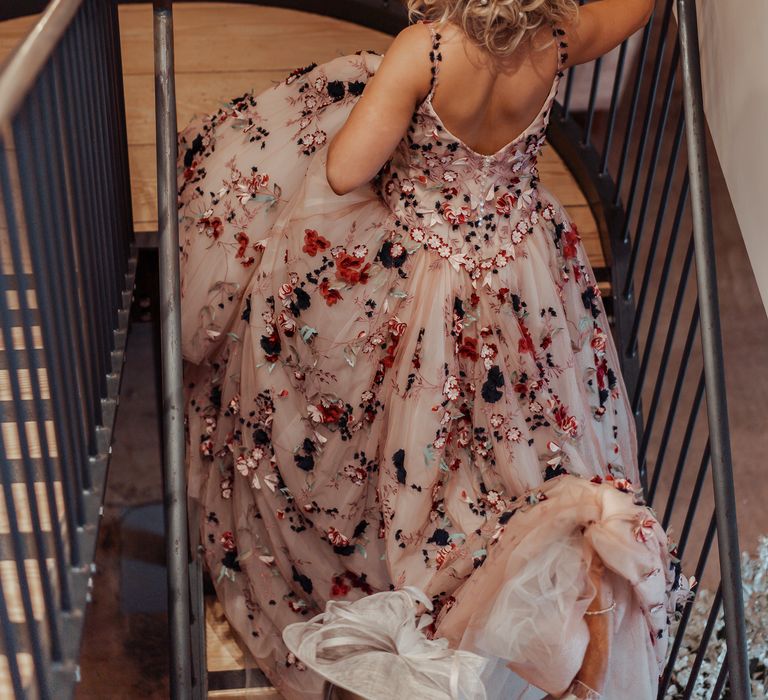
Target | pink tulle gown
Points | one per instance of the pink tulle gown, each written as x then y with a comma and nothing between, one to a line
414,384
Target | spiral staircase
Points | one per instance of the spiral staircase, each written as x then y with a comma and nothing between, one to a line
87,175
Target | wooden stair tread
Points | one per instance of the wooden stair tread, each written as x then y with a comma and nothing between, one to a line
226,656
245,693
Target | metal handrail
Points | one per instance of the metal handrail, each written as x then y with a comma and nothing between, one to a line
65,217
177,536
22,67
717,408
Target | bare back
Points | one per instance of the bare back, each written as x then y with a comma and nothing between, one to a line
487,105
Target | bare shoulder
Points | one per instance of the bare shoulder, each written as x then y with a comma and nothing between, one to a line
406,62
416,37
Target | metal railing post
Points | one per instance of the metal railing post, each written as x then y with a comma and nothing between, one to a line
717,409
177,536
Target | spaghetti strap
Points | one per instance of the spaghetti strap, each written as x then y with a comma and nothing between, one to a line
435,57
562,48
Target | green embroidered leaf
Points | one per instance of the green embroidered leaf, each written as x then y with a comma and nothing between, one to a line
263,197
307,332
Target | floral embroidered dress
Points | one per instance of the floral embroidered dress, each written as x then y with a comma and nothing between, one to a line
414,384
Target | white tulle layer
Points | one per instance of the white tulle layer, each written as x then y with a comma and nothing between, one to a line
530,596
516,630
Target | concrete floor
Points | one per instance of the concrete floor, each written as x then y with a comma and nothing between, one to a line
120,640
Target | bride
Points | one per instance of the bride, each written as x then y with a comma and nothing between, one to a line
408,430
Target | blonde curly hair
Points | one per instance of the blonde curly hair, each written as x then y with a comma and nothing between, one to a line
498,26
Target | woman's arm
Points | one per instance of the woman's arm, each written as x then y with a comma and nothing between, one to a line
602,25
379,120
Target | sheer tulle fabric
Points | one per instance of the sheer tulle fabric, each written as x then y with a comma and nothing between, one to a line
529,598
376,648
370,407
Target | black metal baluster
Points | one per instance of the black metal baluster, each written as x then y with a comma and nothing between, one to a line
83,103
67,169
93,311
72,498
666,676
592,99
662,208
105,142
116,61
19,549
714,611
722,679
650,337
695,495
683,456
671,406
635,101
54,249
58,382
28,475
661,123
612,110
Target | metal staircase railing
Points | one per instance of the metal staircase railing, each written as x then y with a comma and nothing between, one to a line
648,177
66,275
66,268
629,158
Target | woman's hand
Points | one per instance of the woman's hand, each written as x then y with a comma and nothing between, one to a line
602,25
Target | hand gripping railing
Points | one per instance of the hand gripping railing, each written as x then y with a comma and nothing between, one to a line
627,140
66,275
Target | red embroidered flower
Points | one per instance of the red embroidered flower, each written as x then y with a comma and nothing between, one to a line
227,541
571,239
526,342
314,242
566,423
340,587
506,203
211,226
455,216
242,240
396,326
351,269
468,349
336,538
331,296
332,412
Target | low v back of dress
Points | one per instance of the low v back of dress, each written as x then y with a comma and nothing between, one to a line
542,115
414,384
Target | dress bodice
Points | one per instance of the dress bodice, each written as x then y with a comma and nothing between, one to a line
468,207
